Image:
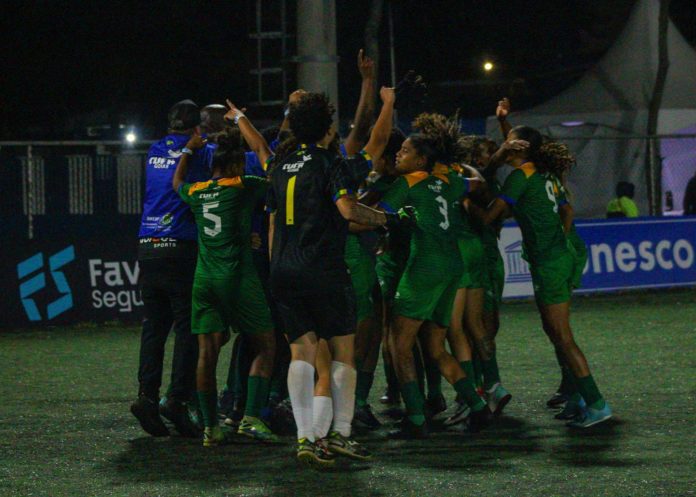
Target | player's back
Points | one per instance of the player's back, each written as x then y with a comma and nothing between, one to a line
222,208
309,233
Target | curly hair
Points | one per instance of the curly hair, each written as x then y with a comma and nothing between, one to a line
445,136
229,157
310,118
548,155
475,145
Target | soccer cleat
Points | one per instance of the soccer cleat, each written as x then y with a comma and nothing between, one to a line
407,430
572,409
214,436
497,398
345,446
435,405
557,400
459,415
365,418
255,428
178,413
314,453
390,397
591,417
478,420
147,413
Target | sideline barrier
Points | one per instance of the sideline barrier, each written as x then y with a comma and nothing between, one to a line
622,254
70,278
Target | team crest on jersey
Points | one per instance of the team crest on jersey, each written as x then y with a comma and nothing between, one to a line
437,187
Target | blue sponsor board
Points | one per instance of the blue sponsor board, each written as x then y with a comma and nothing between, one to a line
639,253
622,254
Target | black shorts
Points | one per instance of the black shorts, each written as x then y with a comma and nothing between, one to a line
329,314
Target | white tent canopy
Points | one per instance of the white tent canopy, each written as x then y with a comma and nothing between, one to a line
612,99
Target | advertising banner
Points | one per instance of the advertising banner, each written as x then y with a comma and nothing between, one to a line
64,282
622,254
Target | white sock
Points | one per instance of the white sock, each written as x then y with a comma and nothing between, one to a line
343,379
301,390
323,415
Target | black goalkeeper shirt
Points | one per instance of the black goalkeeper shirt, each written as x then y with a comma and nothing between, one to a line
309,234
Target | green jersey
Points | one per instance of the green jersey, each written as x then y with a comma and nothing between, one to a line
437,199
222,208
461,224
532,197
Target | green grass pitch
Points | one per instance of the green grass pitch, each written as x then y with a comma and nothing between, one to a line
65,428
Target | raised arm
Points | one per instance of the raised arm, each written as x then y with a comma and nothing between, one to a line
383,127
194,143
257,143
365,111
501,112
294,97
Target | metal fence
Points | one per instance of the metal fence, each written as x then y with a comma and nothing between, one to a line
76,185
71,184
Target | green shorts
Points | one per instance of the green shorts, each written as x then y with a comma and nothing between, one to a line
426,290
493,280
553,279
389,273
363,276
473,260
579,251
236,301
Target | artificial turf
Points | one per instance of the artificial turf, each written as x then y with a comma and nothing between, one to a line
65,428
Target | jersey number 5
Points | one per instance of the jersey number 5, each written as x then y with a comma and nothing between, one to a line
443,210
552,196
217,222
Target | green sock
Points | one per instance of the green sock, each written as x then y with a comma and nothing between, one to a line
478,374
362,387
589,391
434,378
420,370
468,368
208,403
491,375
465,387
413,398
257,395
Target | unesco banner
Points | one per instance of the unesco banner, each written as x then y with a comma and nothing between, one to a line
68,281
622,254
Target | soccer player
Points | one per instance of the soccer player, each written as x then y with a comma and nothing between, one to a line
426,290
310,206
529,196
226,290
559,163
167,258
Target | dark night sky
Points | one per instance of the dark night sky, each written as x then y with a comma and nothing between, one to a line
67,64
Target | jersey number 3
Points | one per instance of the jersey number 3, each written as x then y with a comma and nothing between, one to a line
443,210
217,222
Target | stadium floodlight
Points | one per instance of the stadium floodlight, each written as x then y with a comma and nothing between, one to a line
488,66
131,137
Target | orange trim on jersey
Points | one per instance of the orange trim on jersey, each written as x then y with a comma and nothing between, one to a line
415,177
528,168
235,182
201,185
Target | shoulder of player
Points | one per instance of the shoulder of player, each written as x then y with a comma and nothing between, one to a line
412,179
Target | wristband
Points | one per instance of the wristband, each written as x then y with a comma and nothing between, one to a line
187,151
286,112
239,114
